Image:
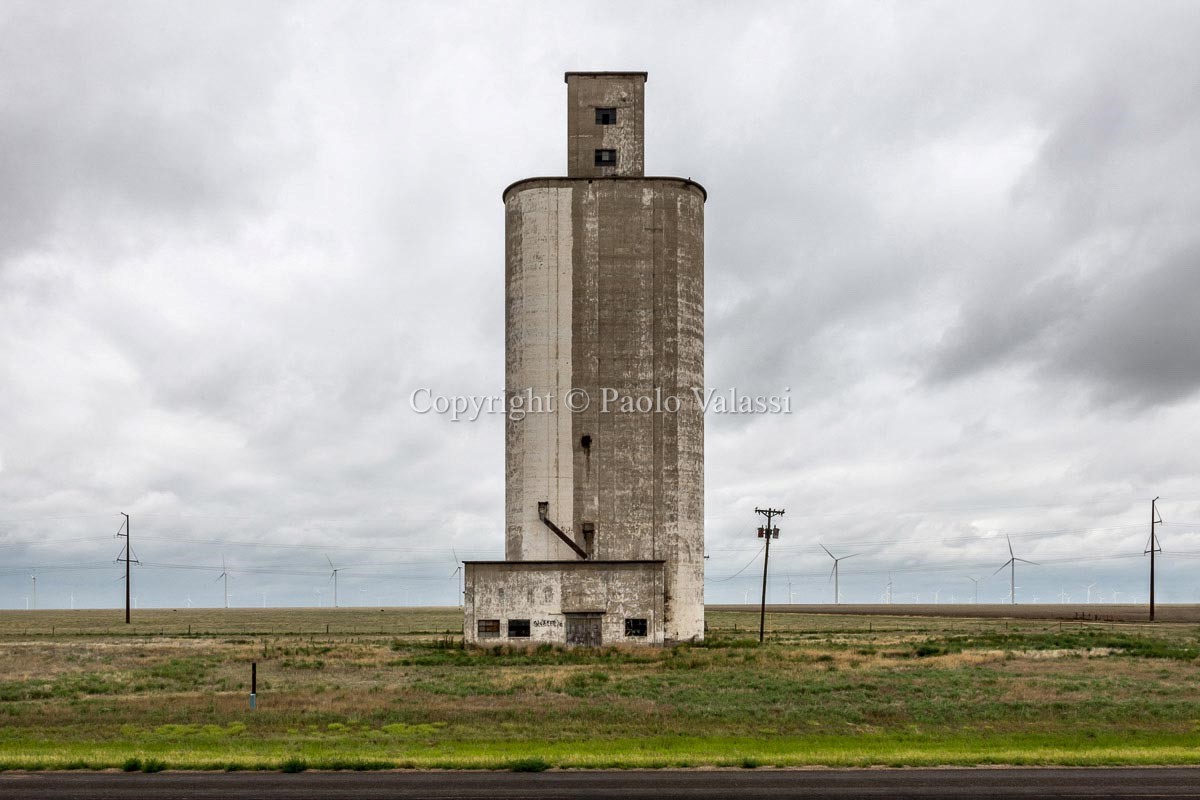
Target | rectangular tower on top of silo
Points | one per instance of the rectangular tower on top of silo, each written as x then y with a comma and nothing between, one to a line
604,490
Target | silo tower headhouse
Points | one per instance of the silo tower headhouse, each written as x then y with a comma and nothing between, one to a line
604,490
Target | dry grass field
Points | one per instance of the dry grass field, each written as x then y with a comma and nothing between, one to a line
1102,612
362,688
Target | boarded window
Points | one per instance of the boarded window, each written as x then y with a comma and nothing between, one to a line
606,158
518,629
635,627
489,628
606,116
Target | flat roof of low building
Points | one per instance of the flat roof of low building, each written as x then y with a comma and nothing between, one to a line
573,562
610,74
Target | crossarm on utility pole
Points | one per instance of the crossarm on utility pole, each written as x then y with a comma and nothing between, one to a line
543,511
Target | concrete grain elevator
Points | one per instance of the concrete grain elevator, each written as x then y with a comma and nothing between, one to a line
604,439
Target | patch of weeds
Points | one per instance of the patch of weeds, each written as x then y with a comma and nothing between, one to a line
293,764
534,764
355,764
582,684
750,763
299,663
413,729
927,649
132,764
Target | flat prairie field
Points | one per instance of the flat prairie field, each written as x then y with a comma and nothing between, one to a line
370,688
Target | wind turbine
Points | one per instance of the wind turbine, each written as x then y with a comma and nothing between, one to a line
975,581
224,574
458,573
1089,586
333,577
34,579
837,595
1012,564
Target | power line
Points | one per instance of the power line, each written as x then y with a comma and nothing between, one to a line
982,536
740,571
918,568
52,542
295,546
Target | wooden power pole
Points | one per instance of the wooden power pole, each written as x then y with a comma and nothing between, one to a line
768,532
1152,548
128,559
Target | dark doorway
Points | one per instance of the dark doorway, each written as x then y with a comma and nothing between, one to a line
583,630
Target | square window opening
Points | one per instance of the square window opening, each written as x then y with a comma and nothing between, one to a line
518,629
488,628
606,116
635,627
606,158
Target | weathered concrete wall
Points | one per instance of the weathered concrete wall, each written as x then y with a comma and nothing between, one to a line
587,91
639,332
546,592
634,276
538,354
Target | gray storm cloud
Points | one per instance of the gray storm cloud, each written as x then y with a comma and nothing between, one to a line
233,241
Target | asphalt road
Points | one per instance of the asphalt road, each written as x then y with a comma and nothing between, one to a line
657,784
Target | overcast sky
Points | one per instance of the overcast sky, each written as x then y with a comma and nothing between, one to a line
236,237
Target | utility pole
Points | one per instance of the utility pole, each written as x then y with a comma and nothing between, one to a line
128,559
1153,547
768,532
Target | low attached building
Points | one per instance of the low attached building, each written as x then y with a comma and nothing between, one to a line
589,603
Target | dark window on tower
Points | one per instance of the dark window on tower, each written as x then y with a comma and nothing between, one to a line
589,538
518,629
606,158
606,116
635,627
489,629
